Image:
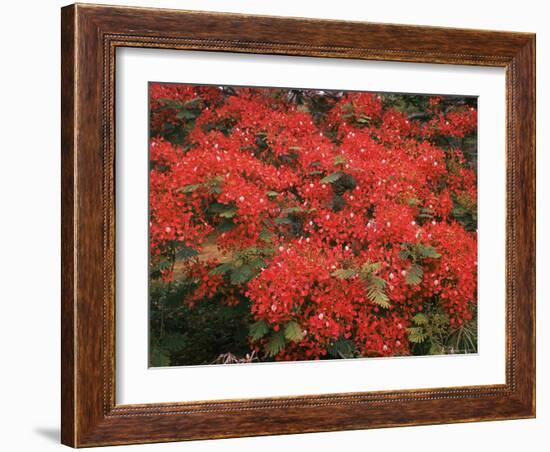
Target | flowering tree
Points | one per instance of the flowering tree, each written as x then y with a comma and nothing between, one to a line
299,224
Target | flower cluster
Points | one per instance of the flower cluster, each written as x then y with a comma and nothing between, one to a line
345,231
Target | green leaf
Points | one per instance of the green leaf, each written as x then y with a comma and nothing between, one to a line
222,269
339,160
404,254
341,348
225,226
266,236
193,102
229,213
420,319
258,330
363,119
158,358
283,220
331,178
376,292
276,344
173,342
257,263
161,265
293,209
272,194
436,349
187,114
412,202
217,207
190,188
241,274
414,275
344,273
293,332
371,267
416,335
214,184
428,251
185,252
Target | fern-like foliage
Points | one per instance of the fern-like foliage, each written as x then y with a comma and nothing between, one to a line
414,275
376,286
258,330
275,344
293,332
417,253
376,290
342,348
344,273
416,334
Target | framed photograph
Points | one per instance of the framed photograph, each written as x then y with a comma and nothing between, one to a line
281,225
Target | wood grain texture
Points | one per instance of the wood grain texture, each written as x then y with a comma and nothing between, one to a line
67,225
90,36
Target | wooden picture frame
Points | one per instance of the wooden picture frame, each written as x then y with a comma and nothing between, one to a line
90,36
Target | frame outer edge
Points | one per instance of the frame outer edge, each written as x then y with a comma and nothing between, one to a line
525,61
68,216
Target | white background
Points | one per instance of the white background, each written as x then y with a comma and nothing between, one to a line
137,384
29,389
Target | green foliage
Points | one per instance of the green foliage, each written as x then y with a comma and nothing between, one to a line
464,338
433,334
158,358
414,275
339,160
409,104
225,226
241,274
178,104
181,334
416,335
244,266
266,235
173,341
376,291
416,253
293,332
160,264
275,344
190,188
342,348
185,114
344,273
425,214
283,220
376,286
412,202
258,330
465,211
331,178
229,213
185,252
222,269
420,319
293,210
